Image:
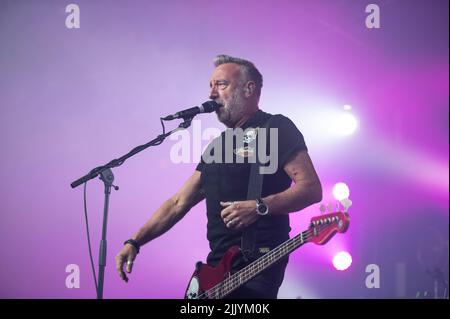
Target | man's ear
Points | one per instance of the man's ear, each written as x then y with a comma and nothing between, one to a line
249,89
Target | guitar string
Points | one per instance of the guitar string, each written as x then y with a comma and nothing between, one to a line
234,281
230,283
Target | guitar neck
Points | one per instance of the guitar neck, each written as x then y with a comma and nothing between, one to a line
245,274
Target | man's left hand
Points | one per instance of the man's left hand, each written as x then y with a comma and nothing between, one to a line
238,215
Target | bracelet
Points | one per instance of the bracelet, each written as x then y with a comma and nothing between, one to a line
133,243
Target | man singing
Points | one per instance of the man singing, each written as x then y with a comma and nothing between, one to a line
236,86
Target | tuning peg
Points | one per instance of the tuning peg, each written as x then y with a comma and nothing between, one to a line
338,207
322,209
330,207
346,202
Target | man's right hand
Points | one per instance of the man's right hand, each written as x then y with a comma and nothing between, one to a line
126,256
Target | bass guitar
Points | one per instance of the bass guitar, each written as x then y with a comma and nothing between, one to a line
209,282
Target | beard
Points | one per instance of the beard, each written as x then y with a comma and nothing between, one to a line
231,110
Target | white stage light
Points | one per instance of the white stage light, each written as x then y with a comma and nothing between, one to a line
347,107
341,191
345,124
342,260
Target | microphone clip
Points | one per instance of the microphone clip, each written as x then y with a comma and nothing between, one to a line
186,123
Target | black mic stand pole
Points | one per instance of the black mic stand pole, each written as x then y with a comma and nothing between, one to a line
107,177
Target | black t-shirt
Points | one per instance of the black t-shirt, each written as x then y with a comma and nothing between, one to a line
223,181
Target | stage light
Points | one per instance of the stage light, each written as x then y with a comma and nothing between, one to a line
341,191
342,260
345,124
347,107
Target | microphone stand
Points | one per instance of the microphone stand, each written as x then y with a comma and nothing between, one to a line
106,175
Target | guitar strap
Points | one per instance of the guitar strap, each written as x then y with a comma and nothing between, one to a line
248,239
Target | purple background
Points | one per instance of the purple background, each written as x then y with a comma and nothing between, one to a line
72,99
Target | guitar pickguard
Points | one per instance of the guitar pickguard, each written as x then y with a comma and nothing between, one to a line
193,289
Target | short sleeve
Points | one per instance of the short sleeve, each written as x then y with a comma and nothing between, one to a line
290,139
200,164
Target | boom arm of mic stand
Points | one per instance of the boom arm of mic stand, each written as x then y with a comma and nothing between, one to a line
119,161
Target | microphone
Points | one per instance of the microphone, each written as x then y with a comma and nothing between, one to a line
207,107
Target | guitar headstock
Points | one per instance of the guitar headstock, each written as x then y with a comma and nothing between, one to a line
325,226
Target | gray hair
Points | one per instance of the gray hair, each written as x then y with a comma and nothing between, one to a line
248,69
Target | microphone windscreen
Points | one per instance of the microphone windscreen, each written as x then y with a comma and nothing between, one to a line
210,106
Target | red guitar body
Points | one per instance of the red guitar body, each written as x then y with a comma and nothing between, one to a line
206,277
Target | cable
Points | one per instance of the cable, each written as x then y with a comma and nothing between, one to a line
162,123
89,238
